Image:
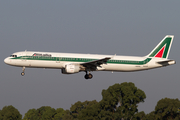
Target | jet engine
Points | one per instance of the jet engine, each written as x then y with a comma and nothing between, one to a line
70,69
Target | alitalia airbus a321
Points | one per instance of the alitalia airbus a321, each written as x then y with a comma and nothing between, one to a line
71,63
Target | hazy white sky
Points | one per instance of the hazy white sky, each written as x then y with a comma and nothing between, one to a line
78,26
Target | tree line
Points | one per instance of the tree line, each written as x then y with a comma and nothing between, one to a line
119,102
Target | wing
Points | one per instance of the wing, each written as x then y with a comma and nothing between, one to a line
94,64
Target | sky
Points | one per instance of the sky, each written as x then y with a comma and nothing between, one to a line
121,27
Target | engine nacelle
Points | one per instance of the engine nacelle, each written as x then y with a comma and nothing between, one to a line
70,69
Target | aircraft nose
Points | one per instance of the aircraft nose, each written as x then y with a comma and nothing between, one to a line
6,60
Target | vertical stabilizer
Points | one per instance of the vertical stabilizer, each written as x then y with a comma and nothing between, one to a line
163,48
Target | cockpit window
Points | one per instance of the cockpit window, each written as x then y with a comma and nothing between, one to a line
13,55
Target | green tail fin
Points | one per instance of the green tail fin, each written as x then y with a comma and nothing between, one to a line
163,48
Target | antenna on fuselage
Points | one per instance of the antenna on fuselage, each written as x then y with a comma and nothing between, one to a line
113,56
25,52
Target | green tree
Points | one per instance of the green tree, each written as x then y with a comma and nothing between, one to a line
121,100
42,113
91,111
167,109
10,113
140,116
32,114
46,113
67,115
59,114
150,116
78,107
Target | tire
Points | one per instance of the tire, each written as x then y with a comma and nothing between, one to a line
22,73
86,76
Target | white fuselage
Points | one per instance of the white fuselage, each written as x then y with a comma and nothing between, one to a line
71,63
60,60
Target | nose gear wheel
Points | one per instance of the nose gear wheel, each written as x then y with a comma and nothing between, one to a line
23,73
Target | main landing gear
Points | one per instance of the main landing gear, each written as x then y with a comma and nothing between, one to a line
88,75
23,73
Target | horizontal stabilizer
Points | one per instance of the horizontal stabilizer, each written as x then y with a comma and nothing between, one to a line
167,62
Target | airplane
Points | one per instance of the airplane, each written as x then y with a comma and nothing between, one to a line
71,63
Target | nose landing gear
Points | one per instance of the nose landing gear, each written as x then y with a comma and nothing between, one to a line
23,73
88,75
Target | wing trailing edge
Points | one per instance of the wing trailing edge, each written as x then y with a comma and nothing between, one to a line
93,65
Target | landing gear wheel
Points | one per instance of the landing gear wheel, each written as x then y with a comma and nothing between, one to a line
86,76
22,73
90,75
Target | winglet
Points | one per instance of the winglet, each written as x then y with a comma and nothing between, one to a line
163,48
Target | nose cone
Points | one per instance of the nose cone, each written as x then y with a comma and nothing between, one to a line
6,60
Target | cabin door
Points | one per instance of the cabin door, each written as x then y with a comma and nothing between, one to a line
58,59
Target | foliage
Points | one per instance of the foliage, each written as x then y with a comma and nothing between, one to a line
59,114
10,113
140,116
44,113
150,116
67,115
119,102
83,110
90,110
31,115
167,109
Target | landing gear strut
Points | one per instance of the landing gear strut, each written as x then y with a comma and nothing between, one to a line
88,75
23,73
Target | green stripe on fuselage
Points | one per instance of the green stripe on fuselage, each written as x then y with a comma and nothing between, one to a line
66,59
